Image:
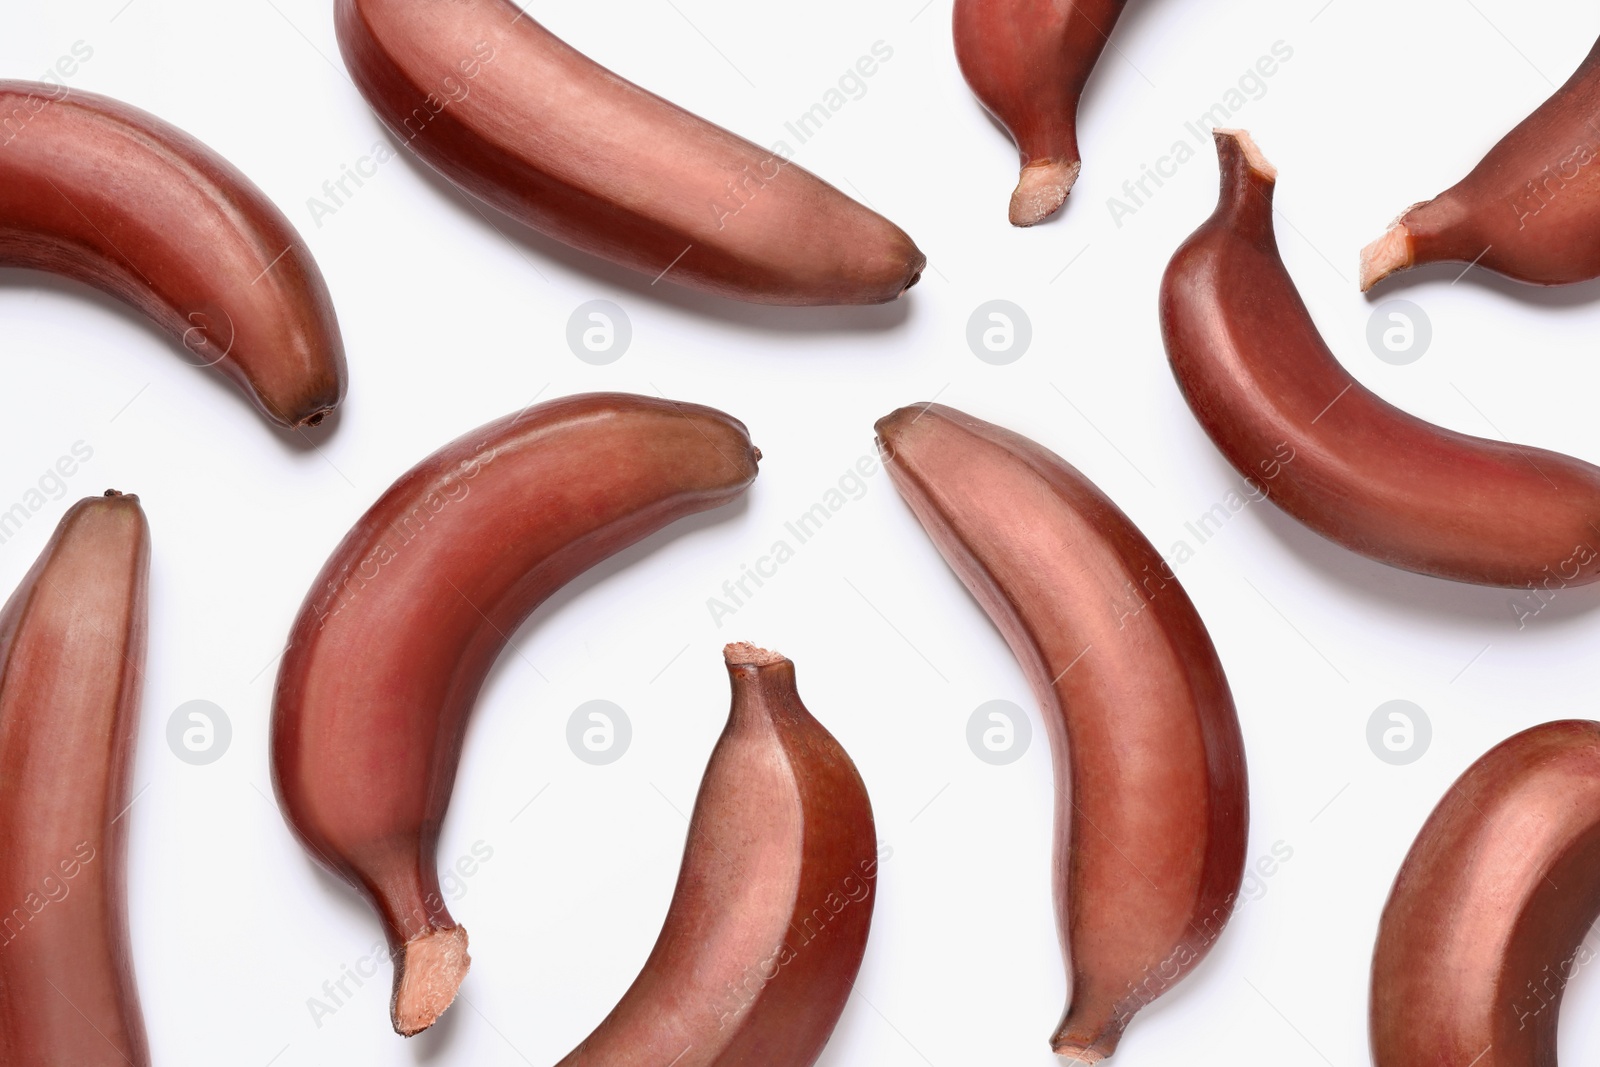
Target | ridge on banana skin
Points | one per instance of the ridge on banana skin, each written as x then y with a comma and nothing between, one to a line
769,921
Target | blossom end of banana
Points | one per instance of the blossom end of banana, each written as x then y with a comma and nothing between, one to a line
913,274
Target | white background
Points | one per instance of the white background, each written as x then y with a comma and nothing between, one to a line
450,323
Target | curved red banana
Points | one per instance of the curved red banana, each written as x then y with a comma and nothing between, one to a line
1488,917
1333,454
1027,61
769,921
1530,210
402,626
1152,808
101,192
72,649
515,117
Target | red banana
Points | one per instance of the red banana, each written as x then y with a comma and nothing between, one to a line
106,194
1332,453
514,116
1530,210
1488,918
1151,799
72,650
769,922
1028,61
403,624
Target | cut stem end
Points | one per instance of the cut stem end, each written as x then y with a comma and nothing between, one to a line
1072,1054
430,971
744,654
1387,254
1078,1043
1253,155
1041,190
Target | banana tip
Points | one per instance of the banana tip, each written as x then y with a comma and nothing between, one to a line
311,414
1041,190
430,971
890,428
1387,254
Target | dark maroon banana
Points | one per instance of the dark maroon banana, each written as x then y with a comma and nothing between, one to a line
1028,61
1530,210
109,195
1152,809
769,922
514,116
400,630
1487,920
72,650
1332,453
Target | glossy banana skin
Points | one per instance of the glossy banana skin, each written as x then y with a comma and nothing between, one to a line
403,624
512,115
1487,919
769,921
1530,210
1333,454
101,192
1027,61
72,652
1152,806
